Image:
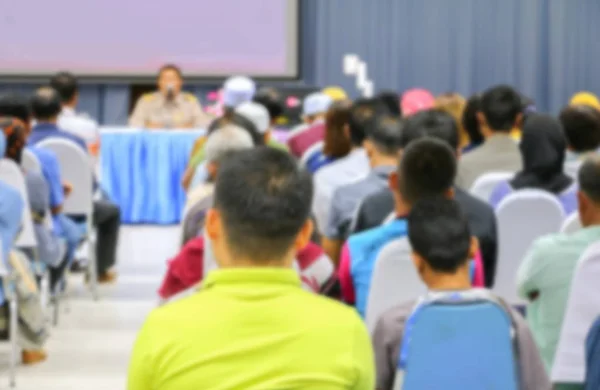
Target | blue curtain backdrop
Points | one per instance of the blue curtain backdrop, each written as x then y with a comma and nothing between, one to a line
549,49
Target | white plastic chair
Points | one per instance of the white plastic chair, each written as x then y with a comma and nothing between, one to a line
485,184
571,224
30,162
394,280
522,217
76,168
310,152
583,307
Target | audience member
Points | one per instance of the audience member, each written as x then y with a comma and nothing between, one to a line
375,208
271,99
259,116
106,216
415,100
471,124
69,120
581,125
347,169
314,108
382,145
543,151
391,101
454,104
337,138
290,338
584,98
545,275
169,107
500,114
441,245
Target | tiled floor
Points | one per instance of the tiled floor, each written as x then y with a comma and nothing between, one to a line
89,350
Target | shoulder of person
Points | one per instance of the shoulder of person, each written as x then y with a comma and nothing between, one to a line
189,97
548,245
149,97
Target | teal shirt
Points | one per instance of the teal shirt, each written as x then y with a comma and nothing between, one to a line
548,268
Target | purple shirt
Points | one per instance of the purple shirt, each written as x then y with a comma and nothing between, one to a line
568,198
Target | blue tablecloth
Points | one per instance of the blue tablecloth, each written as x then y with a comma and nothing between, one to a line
142,170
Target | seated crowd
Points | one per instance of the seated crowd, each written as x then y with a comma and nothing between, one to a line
358,182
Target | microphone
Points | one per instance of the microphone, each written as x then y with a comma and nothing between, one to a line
170,92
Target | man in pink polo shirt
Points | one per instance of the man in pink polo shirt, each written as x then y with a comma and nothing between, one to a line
314,108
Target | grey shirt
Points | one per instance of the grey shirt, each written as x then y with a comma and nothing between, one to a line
388,334
499,153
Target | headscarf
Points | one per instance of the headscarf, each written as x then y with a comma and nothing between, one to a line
543,149
585,99
415,100
14,133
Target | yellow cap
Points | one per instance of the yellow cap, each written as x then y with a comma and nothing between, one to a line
585,99
335,93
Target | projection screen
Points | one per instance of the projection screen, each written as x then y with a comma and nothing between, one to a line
121,38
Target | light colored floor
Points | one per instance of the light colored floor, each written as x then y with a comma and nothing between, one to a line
90,348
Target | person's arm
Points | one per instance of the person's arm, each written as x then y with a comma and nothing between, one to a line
138,117
199,117
529,272
363,357
532,371
51,171
332,248
141,366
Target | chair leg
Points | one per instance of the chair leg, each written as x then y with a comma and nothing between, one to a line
45,292
93,267
13,341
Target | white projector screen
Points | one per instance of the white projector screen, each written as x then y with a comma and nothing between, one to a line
120,38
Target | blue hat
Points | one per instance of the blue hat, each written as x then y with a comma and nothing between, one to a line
316,103
237,90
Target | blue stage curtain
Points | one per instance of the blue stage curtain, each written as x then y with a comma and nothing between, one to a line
141,172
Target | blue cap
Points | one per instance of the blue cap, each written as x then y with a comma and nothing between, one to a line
237,90
316,103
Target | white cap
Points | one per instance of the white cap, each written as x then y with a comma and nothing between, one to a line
255,113
316,103
237,90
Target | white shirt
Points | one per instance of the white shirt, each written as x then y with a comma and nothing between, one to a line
353,167
78,124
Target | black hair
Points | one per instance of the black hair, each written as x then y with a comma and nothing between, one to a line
15,105
172,67
589,178
271,100
430,123
427,168
501,105
391,101
66,85
264,198
469,120
45,104
386,135
363,115
232,117
581,125
438,231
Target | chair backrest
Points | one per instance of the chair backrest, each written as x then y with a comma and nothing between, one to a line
571,224
76,168
30,162
485,184
522,217
317,147
11,174
583,307
394,281
465,346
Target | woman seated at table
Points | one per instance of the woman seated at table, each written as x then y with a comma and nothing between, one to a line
543,149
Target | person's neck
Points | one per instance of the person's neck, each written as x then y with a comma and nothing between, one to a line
378,160
247,263
591,221
49,121
400,208
457,281
69,105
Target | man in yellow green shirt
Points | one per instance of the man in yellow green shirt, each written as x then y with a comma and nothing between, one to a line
251,326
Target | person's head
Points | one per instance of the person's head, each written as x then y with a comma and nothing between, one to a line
45,105
415,100
430,123
237,90
337,138
314,106
454,104
170,80
588,195
271,99
16,106
66,85
221,143
427,168
582,128
363,114
500,110
441,242
258,115
383,141
14,138
335,93
584,98
261,213
391,101
470,122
